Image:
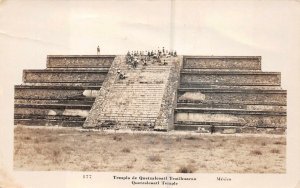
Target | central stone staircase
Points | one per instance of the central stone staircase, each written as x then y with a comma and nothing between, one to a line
228,95
133,102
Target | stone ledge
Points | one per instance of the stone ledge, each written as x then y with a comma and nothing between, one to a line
222,57
228,84
53,106
59,87
48,117
229,111
235,90
65,71
79,56
228,72
44,122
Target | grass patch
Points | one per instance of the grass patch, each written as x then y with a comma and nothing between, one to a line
70,149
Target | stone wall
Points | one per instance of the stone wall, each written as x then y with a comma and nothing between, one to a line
247,119
92,119
37,76
63,93
231,78
165,120
211,62
55,61
233,96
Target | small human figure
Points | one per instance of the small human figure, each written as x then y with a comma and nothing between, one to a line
98,50
144,62
159,60
175,53
121,75
135,64
212,129
165,63
159,53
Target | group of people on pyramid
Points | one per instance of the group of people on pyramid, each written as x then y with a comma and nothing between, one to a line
135,57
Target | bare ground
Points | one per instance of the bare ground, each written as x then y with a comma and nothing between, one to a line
75,150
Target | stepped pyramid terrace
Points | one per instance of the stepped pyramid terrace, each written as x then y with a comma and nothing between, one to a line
144,91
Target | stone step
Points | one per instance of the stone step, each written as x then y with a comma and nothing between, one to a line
228,129
49,117
85,85
207,128
222,62
54,106
64,76
52,112
214,86
78,101
243,78
55,92
45,122
228,111
256,118
71,61
58,86
239,96
211,105
219,70
277,108
137,115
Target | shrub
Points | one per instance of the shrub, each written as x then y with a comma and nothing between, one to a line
256,152
154,158
50,139
178,139
275,150
27,138
186,169
55,155
126,150
280,143
191,138
116,138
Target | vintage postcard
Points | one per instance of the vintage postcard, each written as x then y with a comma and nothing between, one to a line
165,93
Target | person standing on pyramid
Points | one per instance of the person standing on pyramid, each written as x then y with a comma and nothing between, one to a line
98,50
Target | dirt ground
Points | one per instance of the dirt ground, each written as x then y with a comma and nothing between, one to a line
76,150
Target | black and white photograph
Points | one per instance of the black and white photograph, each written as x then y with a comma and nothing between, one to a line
162,93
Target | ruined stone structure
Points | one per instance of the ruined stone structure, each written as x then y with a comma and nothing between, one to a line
192,93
